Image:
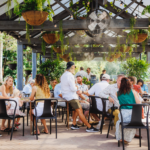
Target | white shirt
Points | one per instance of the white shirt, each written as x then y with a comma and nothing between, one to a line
27,89
68,87
89,75
98,88
13,104
111,91
83,87
81,73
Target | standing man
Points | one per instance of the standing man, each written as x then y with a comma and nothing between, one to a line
110,92
69,92
28,88
81,73
88,70
103,72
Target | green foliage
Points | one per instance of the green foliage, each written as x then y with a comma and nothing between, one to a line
85,81
51,69
146,10
136,68
36,5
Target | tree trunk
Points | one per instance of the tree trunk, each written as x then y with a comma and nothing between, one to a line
1,57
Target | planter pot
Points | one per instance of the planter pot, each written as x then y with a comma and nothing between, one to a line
141,38
81,32
50,38
126,49
35,18
28,72
110,59
58,50
117,55
12,66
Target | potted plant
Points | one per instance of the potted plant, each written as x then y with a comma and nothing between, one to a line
50,37
34,12
12,64
28,71
124,48
137,36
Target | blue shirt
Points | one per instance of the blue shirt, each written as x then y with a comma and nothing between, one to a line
57,90
144,88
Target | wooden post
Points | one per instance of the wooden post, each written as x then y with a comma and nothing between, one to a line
34,64
19,66
1,57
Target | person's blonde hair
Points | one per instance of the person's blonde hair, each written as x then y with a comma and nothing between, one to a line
41,82
5,80
16,93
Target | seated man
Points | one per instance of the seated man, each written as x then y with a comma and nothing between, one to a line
57,94
96,89
69,92
28,88
110,93
84,99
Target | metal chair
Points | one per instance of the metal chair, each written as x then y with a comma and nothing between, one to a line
136,122
93,109
47,113
3,114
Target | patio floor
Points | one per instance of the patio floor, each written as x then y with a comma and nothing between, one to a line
67,140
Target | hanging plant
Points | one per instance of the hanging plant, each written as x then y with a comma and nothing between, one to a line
50,37
146,10
137,36
12,64
34,11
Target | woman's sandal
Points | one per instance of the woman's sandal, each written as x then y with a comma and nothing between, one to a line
17,124
5,130
43,131
34,133
125,142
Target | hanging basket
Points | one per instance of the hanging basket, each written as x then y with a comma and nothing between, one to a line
110,59
117,55
28,72
12,66
81,32
51,38
35,18
126,49
140,38
58,50
65,56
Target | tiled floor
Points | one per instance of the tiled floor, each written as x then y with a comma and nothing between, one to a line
67,140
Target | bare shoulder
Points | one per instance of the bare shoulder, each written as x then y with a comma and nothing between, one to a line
34,88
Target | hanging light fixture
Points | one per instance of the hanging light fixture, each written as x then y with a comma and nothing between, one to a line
55,25
121,3
136,16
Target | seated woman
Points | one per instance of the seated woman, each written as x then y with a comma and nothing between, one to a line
10,111
133,81
144,88
6,90
126,96
53,84
40,90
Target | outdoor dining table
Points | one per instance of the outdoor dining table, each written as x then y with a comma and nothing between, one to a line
26,99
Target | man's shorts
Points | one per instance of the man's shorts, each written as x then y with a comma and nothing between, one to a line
75,104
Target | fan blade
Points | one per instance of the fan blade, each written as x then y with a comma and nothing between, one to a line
102,16
93,16
92,26
102,25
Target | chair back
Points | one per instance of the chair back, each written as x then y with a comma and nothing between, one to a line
3,111
136,118
93,105
47,112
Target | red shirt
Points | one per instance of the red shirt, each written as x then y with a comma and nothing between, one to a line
137,88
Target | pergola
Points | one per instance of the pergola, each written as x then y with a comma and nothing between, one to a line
120,20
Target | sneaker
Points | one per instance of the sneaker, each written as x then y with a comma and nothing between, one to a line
74,127
98,126
92,129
